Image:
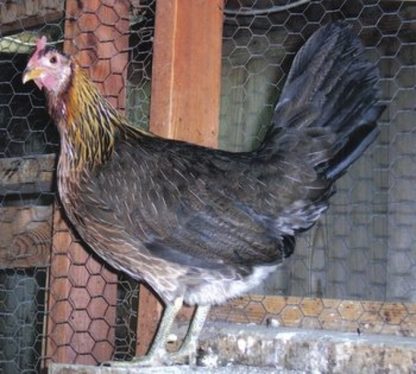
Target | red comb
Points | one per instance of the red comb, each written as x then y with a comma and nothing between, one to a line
41,43
40,46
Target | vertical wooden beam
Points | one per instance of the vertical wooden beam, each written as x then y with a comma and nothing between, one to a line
148,316
185,101
97,34
83,292
81,305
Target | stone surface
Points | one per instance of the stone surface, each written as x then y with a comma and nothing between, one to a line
259,349
231,369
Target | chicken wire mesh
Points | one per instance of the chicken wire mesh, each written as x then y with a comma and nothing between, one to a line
25,209
362,249
363,246
78,291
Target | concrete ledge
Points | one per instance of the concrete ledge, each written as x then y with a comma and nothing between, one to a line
231,369
244,349
308,350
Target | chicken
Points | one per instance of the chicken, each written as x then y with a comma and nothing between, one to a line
199,225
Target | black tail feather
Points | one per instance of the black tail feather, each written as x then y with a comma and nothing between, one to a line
330,87
353,149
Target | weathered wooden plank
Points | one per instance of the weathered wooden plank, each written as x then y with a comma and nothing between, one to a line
25,236
362,316
25,175
97,35
82,287
18,15
81,302
185,96
358,316
187,70
149,312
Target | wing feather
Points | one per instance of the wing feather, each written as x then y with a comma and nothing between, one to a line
201,207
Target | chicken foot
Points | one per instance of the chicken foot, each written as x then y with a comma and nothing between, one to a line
157,355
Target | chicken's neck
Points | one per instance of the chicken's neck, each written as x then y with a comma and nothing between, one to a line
87,123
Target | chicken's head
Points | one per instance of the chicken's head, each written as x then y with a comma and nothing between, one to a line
48,68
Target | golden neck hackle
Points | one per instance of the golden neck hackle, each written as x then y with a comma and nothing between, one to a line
90,124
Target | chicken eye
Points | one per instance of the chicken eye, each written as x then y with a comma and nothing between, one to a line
53,60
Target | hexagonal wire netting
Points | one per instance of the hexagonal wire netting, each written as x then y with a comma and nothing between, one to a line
361,249
86,294
25,210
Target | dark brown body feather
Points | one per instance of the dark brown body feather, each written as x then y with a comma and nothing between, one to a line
188,209
205,224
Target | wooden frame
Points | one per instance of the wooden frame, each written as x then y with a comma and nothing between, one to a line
26,231
180,95
358,316
187,71
27,175
15,15
25,236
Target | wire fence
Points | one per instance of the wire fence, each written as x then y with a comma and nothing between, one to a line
362,249
363,246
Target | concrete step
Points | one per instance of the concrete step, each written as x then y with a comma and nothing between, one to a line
241,349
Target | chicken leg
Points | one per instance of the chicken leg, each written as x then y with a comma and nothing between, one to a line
157,355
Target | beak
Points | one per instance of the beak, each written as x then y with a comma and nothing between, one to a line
31,74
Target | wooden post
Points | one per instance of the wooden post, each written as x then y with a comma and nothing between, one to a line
83,292
185,101
186,74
